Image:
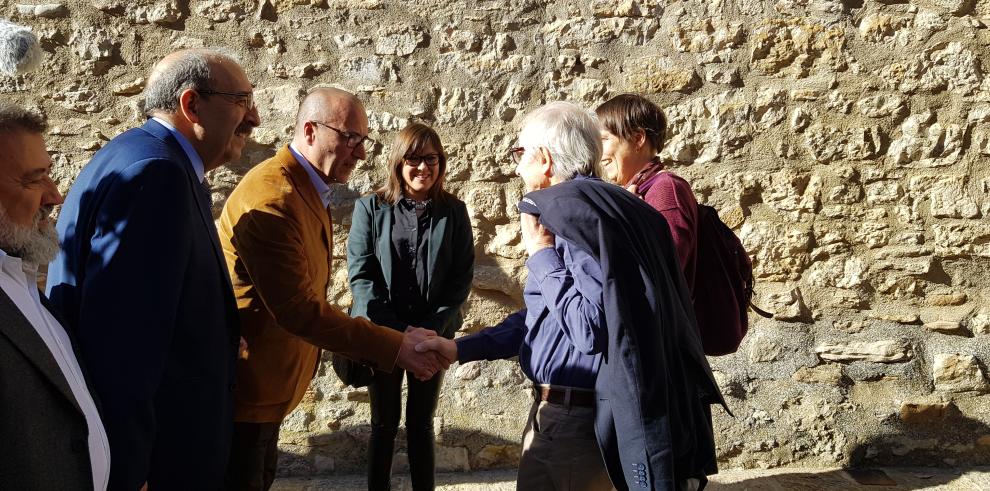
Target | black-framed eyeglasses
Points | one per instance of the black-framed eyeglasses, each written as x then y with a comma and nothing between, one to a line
516,153
351,140
430,159
243,99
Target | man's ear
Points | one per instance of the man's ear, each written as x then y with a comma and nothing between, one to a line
546,162
309,130
190,103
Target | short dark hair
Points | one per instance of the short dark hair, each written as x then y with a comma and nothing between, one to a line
14,118
624,114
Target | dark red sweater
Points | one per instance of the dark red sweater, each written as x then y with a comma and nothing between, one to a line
672,196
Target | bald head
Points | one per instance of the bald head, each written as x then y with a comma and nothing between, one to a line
327,105
187,69
331,131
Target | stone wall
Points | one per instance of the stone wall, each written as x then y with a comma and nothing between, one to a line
845,141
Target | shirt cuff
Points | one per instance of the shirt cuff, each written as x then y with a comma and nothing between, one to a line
544,262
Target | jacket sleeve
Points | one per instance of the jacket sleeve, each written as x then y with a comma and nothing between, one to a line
129,327
499,342
270,245
368,287
454,292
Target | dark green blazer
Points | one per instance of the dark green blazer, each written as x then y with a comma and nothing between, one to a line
450,265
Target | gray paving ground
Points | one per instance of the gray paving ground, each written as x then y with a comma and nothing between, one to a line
887,479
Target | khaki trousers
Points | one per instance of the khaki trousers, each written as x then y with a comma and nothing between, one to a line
560,452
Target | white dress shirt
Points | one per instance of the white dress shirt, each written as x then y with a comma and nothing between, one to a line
322,188
19,280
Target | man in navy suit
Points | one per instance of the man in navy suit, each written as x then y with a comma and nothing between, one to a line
143,281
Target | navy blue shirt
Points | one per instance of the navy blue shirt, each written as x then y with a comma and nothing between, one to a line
558,336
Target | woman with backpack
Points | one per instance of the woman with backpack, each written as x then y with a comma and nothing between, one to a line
410,258
716,267
632,135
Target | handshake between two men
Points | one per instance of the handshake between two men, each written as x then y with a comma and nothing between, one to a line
424,353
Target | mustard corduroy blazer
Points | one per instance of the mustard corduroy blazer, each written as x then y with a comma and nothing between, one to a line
277,239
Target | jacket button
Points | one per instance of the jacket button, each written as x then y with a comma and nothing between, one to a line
231,387
78,445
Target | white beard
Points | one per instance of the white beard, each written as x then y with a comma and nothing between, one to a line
34,245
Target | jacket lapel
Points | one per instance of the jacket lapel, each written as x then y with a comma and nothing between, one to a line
22,334
382,220
304,186
201,197
438,226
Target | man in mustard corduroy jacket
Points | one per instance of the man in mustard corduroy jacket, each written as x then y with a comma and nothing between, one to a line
276,235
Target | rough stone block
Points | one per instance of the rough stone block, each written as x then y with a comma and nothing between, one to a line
398,40
954,372
919,413
650,76
828,374
888,351
45,10
452,459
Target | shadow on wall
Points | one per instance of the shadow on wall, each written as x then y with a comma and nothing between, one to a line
929,435
928,444
344,452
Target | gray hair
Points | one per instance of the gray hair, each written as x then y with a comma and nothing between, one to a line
189,70
571,134
14,118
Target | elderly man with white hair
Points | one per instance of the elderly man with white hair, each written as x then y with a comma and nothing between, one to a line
622,388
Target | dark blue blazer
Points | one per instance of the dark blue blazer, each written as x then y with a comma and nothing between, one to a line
143,282
654,388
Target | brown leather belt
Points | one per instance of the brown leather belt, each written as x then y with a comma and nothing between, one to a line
565,396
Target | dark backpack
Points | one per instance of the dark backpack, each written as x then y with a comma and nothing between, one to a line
723,285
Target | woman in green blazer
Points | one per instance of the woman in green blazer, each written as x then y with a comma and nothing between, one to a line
410,258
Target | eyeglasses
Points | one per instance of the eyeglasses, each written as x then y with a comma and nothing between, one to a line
516,153
351,140
243,99
430,159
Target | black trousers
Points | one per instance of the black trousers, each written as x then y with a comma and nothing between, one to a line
386,409
253,457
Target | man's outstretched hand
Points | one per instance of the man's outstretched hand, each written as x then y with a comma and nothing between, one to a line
446,348
423,365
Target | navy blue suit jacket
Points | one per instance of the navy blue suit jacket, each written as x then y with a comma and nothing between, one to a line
654,387
142,280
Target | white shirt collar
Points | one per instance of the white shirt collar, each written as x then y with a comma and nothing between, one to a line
197,162
322,188
15,266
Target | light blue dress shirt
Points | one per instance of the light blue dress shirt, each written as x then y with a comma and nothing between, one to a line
322,188
197,162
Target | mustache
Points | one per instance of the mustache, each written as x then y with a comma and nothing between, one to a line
44,212
244,129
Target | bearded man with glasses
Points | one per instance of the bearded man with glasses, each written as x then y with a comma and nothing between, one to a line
277,237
